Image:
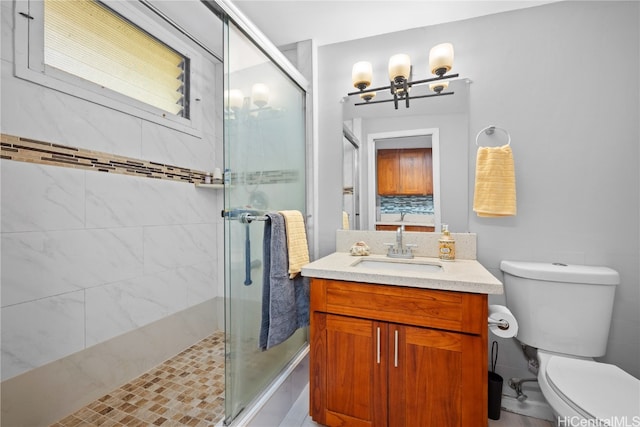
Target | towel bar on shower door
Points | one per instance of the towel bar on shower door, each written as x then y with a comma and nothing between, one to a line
245,217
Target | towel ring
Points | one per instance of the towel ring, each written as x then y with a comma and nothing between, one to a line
489,130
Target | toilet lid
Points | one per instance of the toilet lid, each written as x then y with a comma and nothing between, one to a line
598,390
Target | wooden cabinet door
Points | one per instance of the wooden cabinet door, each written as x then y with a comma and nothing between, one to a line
435,379
388,172
428,164
405,172
349,380
422,228
413,172
370,366
386,227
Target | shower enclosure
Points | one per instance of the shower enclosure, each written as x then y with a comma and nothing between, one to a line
264,160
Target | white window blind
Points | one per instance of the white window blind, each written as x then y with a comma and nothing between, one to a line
86,39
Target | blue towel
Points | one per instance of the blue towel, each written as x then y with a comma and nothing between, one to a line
285,302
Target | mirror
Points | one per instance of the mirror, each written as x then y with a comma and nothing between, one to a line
350,180
438,123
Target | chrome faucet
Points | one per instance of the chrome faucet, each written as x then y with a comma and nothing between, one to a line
402,214
399,232
399,249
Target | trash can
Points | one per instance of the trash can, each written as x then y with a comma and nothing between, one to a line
495,386
495,395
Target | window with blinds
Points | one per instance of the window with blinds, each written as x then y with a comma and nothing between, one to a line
88,40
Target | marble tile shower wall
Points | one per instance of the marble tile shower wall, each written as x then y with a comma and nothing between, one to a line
87,256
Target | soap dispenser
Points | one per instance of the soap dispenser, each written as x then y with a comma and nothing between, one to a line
447,246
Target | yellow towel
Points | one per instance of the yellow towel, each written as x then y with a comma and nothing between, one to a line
495,189
296,241
345,220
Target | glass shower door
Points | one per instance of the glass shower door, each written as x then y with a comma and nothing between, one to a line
264,150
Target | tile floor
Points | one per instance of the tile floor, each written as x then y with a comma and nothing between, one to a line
187,390
507,419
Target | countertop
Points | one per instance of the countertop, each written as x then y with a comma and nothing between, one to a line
461,275
405,223
408,219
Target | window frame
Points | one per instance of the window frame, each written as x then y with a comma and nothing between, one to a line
30,66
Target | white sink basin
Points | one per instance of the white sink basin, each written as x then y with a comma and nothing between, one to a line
408,265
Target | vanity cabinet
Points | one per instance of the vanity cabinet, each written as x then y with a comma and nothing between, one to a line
385,355
406,172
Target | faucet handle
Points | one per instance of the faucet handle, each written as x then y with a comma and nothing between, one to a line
408,247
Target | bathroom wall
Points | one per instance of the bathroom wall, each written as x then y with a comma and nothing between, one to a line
574,142
542,74
88,257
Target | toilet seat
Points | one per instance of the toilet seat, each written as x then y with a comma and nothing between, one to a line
595,390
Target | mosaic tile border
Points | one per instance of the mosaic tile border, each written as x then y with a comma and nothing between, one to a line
266,177
33,151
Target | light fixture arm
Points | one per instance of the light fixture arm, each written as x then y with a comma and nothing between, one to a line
380,101
409,84
400,89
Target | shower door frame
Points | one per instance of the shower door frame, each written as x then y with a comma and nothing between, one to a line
224,8
230,15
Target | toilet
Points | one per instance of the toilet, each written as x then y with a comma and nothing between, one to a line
564,311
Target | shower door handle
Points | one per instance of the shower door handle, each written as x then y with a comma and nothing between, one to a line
247,256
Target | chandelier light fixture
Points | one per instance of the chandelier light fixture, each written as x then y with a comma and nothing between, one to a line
259,97
239,106
400,75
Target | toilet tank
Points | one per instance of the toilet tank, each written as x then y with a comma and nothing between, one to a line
561,308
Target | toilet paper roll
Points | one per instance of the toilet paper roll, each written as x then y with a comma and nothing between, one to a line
499,313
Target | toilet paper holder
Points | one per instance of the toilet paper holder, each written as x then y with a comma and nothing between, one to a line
502,324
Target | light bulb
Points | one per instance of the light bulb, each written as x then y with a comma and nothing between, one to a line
260,94
367,96
441,58
236,98
438,86
399,67
361,74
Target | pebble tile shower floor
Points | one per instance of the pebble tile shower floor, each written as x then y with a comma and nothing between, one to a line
187,390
